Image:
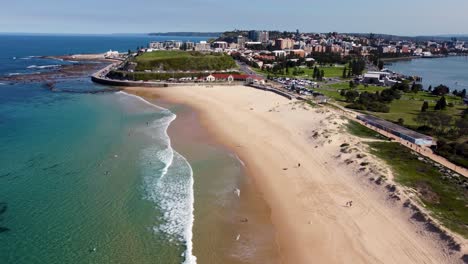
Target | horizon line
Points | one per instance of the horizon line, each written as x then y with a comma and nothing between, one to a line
147,33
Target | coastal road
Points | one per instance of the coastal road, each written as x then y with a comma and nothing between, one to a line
246,69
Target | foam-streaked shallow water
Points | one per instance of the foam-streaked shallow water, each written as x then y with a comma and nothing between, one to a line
93,178
87,178
169,181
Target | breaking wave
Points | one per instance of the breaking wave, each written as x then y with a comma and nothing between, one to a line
168,182
43,66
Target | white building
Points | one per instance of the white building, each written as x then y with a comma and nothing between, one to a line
111,54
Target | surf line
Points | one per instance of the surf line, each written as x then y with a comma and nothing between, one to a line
188,232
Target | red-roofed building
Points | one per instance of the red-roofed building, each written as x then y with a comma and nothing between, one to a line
233,77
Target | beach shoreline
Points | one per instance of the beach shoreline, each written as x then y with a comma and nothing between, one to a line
220,231
274,137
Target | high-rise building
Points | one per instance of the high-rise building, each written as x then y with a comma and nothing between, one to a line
263,37
241,41
286,43
253,35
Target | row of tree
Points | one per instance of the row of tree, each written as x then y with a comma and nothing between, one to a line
375,102
318,74
451,134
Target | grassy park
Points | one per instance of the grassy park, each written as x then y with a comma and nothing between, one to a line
183,61
329,72
407,107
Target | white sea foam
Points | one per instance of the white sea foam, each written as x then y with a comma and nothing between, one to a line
238,159
169,183
14,73
43,66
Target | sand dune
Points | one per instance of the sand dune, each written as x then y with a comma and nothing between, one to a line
272,135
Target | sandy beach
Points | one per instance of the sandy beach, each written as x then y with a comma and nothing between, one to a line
292,152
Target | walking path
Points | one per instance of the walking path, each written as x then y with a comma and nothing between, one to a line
424,151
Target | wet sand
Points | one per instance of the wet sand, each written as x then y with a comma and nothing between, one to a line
229,227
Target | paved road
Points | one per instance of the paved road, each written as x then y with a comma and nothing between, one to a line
246,69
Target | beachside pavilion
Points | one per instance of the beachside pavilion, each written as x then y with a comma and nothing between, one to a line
399,131
217,77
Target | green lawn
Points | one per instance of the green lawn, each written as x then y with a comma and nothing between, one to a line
408,107
362,131
359,88
183,61
332,90
329,72
444,197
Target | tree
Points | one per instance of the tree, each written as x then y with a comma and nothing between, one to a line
352,84
441,104
416,87
441,90
345,70
401,121
430,88
388,95
463,93
314,75
440,121
423,118
402,86
425,106
351,96
462,125
322,74
381,65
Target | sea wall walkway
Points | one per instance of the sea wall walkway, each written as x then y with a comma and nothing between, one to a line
100,77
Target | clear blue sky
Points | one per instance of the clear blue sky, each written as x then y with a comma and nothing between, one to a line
404,17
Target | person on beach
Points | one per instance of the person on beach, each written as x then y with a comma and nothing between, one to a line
298,165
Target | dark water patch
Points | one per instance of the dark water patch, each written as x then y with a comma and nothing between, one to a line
105,90
52,86
70,173
51,167
5,175
3,209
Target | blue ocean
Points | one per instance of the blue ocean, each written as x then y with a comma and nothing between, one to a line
87,178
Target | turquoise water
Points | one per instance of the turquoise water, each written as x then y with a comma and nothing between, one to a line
87,172
450,71
87,178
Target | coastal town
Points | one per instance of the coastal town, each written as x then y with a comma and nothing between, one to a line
345,70
322,99
209,132
341,71
272,54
